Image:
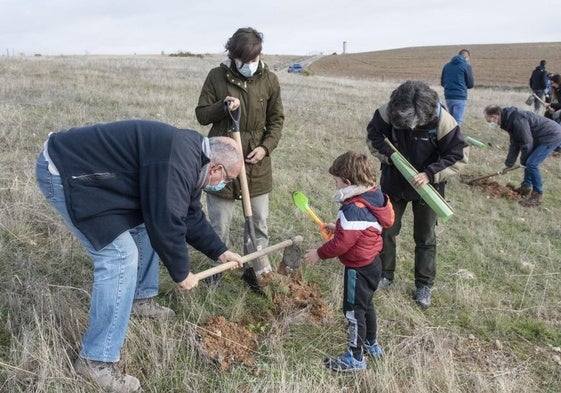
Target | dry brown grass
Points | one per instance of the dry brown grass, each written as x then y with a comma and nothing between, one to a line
498,332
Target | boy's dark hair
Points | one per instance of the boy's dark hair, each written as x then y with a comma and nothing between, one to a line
542,63
246,44
556,79
356,168
412,105
491,110
464,52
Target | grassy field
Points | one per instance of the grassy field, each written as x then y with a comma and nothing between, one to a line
495,323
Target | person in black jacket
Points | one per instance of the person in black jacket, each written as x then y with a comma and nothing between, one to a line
538,84
130,192
417,125
533,138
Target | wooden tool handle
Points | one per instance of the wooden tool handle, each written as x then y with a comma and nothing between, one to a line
243,179
249,257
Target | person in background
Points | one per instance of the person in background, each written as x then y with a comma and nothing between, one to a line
533,138
538,84
417,125
548,89
357,241
457,78
244,82
130,193
553,107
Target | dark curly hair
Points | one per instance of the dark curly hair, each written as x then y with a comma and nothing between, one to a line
246,44
413,105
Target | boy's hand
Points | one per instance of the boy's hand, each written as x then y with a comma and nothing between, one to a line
311,256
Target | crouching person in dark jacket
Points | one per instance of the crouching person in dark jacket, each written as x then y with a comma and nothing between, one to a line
419,127
130,192
533,138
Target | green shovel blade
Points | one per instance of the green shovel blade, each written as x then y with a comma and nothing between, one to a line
300,200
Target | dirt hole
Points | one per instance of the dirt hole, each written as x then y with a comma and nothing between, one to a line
227,343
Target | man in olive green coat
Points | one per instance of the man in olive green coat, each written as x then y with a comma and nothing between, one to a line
243,82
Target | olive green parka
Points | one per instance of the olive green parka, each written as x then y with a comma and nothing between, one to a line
261,122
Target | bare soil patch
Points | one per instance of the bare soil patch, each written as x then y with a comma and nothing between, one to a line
493,65
492,189
227,343
301,296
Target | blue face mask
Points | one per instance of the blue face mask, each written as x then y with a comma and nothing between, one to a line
217,187
247,69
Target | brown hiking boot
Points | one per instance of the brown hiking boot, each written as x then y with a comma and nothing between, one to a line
523,190
106,375
150,309
534,200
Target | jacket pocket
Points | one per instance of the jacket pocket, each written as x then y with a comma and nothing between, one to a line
102,193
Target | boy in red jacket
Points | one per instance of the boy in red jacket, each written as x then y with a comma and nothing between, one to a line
357,241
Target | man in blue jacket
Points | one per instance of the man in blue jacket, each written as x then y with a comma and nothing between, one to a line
130,192
456,79
533,137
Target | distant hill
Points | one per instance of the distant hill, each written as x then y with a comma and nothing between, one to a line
505,65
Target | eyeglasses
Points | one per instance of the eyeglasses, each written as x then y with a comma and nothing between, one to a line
226,178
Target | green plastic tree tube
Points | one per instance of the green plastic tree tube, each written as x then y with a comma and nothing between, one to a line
427,191
475,142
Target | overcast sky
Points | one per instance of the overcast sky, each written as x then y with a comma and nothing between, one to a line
289,26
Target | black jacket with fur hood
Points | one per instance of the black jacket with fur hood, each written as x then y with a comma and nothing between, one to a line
439,150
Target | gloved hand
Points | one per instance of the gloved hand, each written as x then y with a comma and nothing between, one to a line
504,170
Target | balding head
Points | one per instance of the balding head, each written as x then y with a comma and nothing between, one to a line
226,151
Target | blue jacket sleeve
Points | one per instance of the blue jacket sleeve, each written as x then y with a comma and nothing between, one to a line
469,77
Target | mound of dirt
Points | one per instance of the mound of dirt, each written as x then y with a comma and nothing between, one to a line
301,296
492,189
227,343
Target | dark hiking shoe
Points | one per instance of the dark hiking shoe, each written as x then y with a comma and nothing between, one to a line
422,296
534,200
384,283
148,308
345,363
214,280
106,375
523,190
251,279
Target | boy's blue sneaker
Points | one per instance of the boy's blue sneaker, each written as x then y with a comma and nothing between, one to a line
373,351
345,363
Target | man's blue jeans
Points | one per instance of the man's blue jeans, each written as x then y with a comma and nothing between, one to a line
532,175
457,108
124,270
